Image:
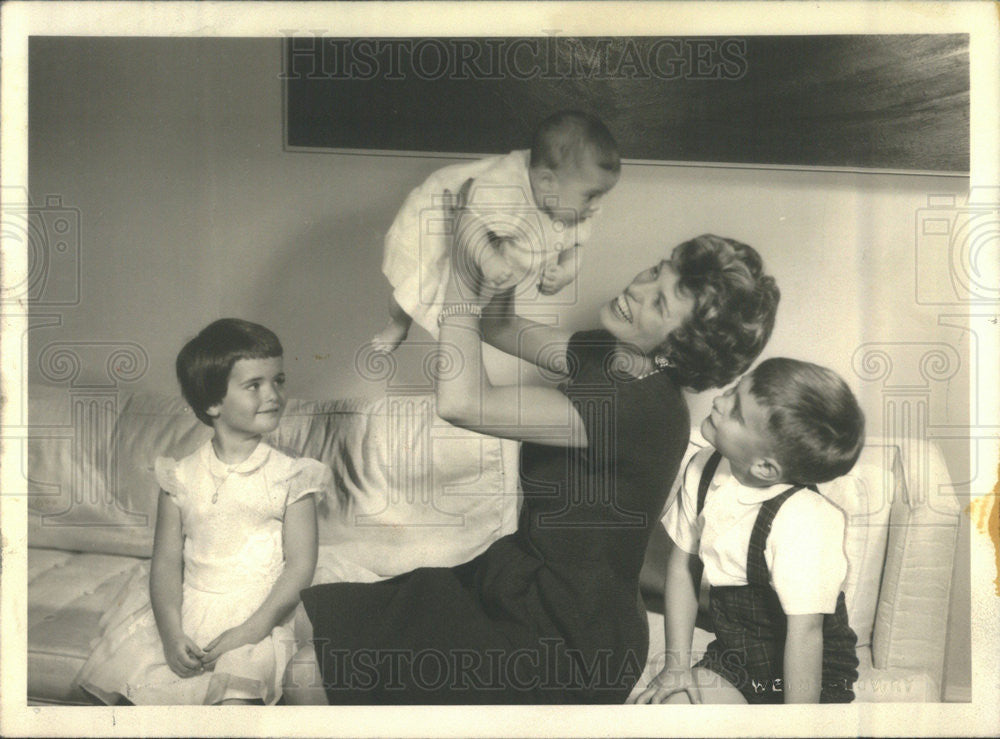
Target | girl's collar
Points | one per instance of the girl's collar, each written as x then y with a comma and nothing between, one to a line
251,464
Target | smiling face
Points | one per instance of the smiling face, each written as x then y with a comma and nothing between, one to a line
652,306
737,427
254,400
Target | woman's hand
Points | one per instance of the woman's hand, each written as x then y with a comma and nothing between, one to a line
670,682
183,656
226,641
474,250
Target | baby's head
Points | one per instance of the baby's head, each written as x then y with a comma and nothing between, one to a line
574,162
787,421
232,373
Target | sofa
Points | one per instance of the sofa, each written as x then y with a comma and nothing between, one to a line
415,491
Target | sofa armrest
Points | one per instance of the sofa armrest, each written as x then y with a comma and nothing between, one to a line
911,620
893,685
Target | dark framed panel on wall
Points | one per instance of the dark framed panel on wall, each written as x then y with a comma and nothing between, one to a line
884,102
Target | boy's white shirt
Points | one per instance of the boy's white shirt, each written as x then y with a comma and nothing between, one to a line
804,551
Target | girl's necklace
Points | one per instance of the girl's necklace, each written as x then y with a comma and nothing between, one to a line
222,481
218,486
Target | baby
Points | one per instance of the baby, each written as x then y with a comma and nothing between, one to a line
772,547
525,216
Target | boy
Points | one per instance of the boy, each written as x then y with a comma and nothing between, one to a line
525,216
771,546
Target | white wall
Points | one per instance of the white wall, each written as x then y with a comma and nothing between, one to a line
191,210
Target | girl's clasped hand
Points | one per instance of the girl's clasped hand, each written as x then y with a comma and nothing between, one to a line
183,656
186,659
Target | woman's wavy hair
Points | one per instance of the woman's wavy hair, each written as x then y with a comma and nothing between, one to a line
204,364
733,315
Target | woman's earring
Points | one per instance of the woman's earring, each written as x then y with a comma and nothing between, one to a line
662,362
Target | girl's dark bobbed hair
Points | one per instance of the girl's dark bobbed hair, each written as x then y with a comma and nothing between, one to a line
204,364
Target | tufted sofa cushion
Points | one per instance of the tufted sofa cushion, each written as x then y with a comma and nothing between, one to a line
90,487
411,490
912,612
68,593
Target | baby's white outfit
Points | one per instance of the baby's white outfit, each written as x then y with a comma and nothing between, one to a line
231,518
804,551
418,244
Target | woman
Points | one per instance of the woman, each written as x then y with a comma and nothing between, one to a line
550,614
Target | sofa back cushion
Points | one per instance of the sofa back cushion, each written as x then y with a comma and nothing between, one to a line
865,495
915,593
410,489
91,486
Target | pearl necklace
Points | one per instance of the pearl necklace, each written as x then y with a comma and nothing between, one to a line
644,375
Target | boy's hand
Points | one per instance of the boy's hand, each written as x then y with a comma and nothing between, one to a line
183,656
228,640
554,278
671,681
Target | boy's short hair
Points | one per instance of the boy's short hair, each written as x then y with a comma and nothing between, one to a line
568,136
204,364
813,419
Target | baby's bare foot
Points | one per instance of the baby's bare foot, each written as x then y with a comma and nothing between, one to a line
386,340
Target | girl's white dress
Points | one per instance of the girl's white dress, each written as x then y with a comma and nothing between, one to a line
231,517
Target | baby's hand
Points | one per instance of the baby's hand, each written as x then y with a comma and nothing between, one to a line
183,656
668,685
554,278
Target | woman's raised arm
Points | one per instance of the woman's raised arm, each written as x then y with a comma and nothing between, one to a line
544,346
466,397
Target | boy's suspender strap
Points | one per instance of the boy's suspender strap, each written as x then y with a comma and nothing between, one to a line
757,572
706,477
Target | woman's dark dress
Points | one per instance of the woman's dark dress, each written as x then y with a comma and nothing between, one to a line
549,614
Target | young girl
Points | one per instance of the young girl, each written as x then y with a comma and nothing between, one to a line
235,542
